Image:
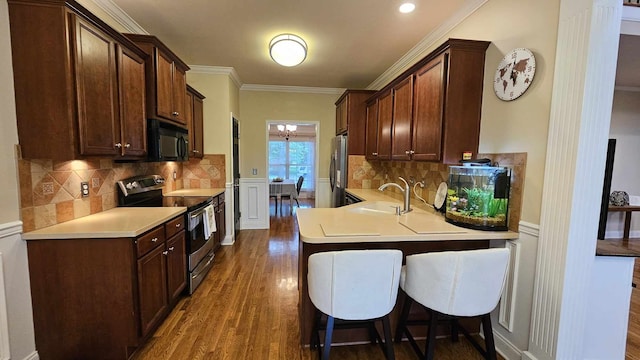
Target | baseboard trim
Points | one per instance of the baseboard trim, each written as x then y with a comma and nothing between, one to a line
505,348
528,356
33,356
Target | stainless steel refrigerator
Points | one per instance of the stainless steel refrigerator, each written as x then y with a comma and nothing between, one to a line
338,170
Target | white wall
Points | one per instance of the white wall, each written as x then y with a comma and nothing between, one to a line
625,128
12,247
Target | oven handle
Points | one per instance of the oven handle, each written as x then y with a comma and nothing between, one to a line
197,213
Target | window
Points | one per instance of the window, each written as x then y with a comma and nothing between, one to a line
291,159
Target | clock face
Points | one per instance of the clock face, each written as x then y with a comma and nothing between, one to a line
514,74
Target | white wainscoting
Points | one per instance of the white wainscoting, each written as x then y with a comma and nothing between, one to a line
229,237
15,296
512,321
4,323
254,205
323,193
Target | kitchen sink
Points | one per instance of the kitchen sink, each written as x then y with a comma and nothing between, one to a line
375,207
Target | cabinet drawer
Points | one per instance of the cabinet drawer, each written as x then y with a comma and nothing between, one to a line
173,226
150,240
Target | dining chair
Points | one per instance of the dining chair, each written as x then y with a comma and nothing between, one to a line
450,285
353,286
290,196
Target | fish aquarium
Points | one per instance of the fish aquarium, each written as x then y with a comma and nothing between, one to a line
478,197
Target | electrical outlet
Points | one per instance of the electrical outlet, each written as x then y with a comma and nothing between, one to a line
84,188
254,171
175,175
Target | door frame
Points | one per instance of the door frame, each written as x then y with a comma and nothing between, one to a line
316,159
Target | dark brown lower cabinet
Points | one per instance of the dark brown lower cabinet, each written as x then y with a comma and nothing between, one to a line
102,298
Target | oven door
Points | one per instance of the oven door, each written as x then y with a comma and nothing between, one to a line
198,244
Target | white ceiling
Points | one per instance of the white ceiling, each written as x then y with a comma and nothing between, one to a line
351,42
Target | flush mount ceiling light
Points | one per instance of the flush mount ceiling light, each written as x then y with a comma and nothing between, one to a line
288,49
407,7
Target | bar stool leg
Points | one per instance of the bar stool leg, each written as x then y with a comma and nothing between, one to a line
327,338
489,343
386,327
402,321
454,330
431,337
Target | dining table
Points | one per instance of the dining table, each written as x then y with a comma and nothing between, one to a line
285,187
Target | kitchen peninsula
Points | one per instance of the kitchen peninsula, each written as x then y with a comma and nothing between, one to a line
372,224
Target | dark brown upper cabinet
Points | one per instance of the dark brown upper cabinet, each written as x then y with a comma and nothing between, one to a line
432,111
371,135
385,123
401,147
351,113
79,84
195,121
166,80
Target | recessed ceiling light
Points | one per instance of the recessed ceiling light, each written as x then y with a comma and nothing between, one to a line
407,7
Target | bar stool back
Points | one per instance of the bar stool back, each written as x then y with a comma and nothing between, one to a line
354,285
455,284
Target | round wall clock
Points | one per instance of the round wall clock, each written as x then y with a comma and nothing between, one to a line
514,74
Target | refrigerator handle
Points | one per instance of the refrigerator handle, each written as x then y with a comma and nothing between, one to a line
332,173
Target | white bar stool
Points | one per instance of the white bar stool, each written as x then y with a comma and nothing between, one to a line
453,284
354,285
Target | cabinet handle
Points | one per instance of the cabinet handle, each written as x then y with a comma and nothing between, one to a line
127,145
171,248
412,152
407,152
154,239
175,113
165,252
374,154
178,225
196,151
118,145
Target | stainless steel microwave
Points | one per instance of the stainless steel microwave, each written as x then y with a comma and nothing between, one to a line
167,142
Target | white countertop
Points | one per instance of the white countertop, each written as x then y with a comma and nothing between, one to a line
373,221
114,223
196,192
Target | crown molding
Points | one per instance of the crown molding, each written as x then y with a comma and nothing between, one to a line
417,52
120,16
217,70
293,89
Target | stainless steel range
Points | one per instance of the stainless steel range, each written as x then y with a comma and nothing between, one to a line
146,191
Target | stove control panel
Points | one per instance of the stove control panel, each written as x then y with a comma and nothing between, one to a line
140,184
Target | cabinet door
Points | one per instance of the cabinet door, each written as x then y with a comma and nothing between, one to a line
164,85
371,137
341,116
385,121
176,266
428,110
179,89
198,128
152,288
402,110
133,119
96,90
188,115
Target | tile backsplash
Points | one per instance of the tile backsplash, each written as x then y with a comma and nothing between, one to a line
50,191
365,174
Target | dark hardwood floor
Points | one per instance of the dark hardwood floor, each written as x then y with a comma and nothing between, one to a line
246,308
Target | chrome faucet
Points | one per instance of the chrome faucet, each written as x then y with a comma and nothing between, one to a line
406,192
